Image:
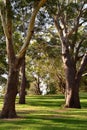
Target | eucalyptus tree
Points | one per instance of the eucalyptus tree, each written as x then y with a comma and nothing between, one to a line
14,60
36,66
43,55
49,44
70,19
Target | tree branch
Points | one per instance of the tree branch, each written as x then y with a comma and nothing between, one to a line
77,50
83,66
3,17
77,23
30,28
6,18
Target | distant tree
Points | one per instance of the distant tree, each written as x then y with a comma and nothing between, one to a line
44,61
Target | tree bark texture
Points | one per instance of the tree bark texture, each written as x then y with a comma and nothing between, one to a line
22,91
8,110
72,90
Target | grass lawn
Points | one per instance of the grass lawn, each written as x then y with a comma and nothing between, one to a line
46,113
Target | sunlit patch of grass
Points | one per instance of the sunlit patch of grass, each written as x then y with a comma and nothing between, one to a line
46,113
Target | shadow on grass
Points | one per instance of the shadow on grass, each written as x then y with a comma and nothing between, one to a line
46,103
46,97
49,101
84,104
53,100
45,122
47,118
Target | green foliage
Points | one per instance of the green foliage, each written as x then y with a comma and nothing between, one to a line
1,4
84,83
51,88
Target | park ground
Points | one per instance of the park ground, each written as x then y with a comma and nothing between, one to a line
47,113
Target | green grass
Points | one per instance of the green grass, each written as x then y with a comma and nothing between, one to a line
46,113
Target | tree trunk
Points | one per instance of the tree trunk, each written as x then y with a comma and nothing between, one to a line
72,98
37,86
8,110
72,90
22,92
